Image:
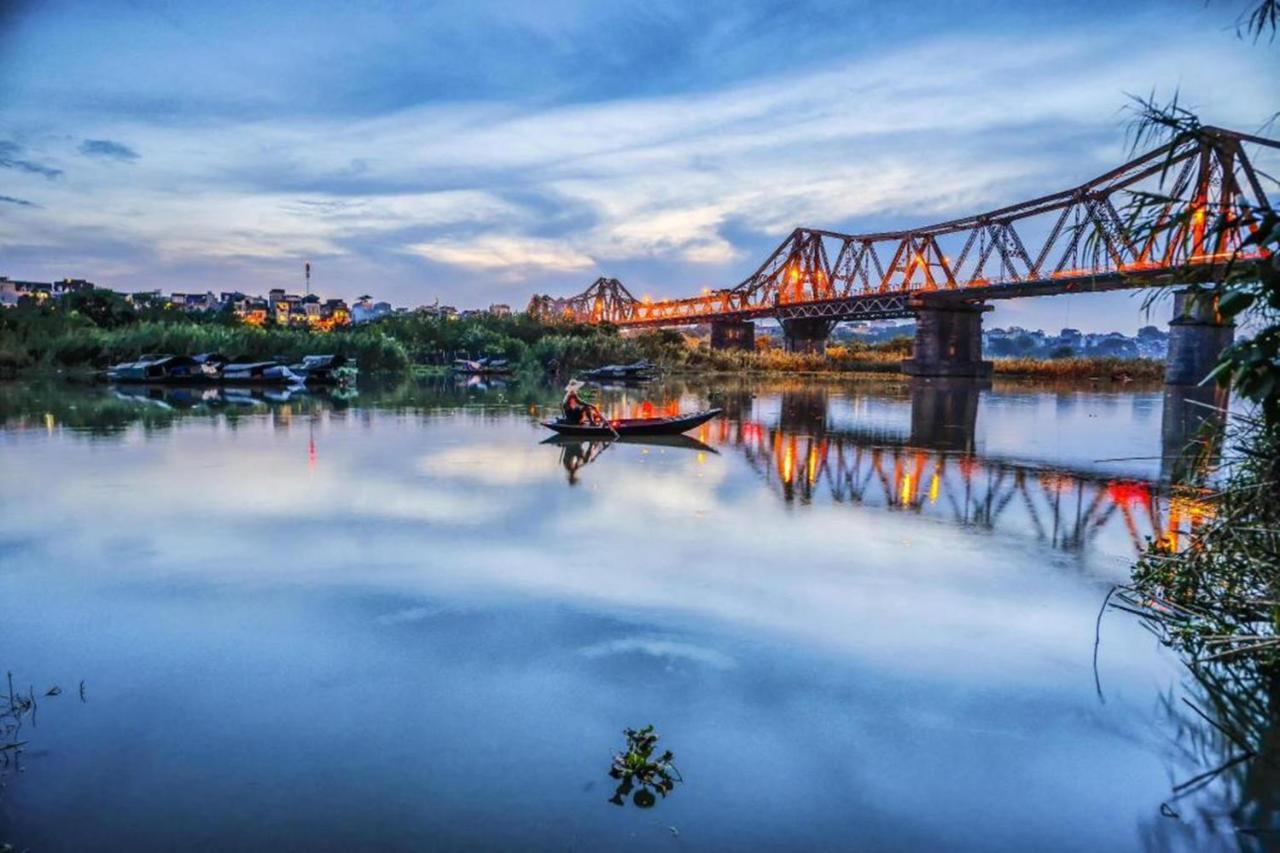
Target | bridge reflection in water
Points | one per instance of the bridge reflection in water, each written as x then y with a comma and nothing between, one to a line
933,469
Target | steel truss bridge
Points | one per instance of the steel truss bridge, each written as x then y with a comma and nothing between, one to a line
1200,190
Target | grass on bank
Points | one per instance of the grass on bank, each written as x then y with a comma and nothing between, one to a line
54,339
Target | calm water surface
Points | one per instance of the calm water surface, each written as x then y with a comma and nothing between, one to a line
861,615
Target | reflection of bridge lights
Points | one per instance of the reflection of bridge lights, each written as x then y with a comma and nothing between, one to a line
1056,482
980,494
1184,509
1126,493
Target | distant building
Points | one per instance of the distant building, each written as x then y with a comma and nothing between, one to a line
193,301
144,298
71,285
499,310
335,313
366,310
12,291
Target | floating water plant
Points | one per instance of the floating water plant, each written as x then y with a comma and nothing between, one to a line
638,771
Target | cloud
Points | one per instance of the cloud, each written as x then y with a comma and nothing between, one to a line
9,159
108,150
509,255
22,202
670,160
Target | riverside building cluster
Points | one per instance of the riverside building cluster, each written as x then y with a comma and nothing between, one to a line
278,307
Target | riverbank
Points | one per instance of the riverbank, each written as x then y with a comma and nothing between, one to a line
887,359
48,340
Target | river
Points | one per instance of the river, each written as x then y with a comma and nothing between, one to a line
860,614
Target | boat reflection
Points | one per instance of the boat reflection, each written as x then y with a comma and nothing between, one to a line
576,452
193,396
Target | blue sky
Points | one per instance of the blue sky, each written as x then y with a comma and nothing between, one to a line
480,151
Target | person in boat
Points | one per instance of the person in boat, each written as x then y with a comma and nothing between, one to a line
576,410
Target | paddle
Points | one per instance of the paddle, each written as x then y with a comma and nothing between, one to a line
605,421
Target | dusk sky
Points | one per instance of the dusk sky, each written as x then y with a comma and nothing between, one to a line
477,152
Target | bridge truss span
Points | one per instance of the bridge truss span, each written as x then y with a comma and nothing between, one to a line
1197,192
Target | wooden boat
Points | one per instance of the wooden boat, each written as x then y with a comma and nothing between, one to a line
163,368
634,426
259,373
326,369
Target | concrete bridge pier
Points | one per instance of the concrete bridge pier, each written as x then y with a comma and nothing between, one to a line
1197,336
948,342
806,334
733,334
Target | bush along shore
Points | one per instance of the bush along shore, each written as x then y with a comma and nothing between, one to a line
64,337
1211,592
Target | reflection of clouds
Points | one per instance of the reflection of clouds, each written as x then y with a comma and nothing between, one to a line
656,538
490,464
641,499
407,615
659,647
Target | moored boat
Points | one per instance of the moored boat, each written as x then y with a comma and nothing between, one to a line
326,369
259,373
163,368
638,371
674,425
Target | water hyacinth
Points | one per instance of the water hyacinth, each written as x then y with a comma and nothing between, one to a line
637,766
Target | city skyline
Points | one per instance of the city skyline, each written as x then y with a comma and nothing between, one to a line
503,153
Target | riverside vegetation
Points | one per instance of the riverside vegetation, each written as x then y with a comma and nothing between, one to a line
1216,599
83,333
